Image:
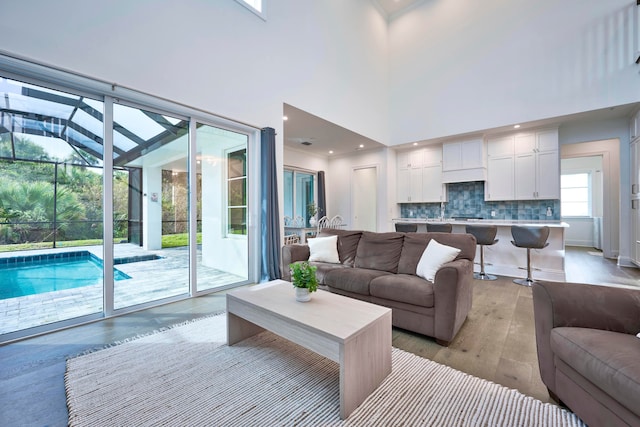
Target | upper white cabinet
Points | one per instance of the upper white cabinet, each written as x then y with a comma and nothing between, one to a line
464,161
419,176
409,176
500,169
500,182
634,126
500,146
537,165
409,159
433,189
523,166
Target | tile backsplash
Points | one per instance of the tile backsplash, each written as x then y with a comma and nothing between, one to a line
466,199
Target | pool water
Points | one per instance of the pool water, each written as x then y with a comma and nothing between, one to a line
38,275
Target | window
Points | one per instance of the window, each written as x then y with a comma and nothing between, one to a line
299,193
237,192
256,6
575,196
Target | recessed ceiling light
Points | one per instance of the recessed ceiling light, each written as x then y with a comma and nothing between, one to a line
285,118
516,126
330,151
415,143
361,145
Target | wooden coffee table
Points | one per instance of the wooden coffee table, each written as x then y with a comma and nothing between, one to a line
353,333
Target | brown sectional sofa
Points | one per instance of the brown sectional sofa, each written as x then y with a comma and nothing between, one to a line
588,352
381,268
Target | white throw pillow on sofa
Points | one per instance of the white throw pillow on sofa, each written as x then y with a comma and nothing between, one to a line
324,249
434,257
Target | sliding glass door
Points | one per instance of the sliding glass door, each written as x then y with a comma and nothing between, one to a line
170,195
150,199
51,211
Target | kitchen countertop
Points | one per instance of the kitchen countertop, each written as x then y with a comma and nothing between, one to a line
498,222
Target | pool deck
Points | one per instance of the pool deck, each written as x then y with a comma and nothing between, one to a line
150,280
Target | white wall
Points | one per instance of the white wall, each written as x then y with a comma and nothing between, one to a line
303,160
326,57
459,66
340,181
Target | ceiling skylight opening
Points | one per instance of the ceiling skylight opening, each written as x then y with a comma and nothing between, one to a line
256,6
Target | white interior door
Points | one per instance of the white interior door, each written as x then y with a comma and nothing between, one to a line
365,199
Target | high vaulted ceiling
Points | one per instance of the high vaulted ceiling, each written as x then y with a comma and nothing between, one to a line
396,7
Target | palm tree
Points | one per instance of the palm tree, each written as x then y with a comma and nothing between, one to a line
33,202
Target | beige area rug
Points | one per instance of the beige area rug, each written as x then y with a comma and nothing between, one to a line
188,376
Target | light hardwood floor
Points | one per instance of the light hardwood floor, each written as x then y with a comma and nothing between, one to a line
496,342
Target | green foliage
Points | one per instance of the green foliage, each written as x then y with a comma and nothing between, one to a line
303,275
33,202
311,209
178,240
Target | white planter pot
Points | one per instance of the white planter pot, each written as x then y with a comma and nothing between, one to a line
303,294
313,221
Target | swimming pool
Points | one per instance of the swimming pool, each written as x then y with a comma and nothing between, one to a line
37,274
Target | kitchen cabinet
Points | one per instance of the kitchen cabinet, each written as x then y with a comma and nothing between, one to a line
635,168
410,159
409,176
634,126
419,176
500,181
409,185
500,146
433,189
464,161
537,165
523,166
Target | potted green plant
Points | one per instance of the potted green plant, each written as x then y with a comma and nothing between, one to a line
303,277
311,211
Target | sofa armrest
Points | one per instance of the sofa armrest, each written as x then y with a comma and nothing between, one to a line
453,295
291,254
587,306
557,304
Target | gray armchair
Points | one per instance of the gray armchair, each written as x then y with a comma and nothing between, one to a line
588,352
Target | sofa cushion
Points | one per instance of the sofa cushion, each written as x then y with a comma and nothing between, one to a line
607,359
434,257
355,280
379,251
405,288
324,249
414,245
347,243
323,268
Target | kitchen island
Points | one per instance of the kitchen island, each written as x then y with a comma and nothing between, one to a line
505,259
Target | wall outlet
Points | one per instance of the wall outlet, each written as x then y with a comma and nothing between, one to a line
493,213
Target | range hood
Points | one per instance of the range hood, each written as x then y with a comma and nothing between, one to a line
464,175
